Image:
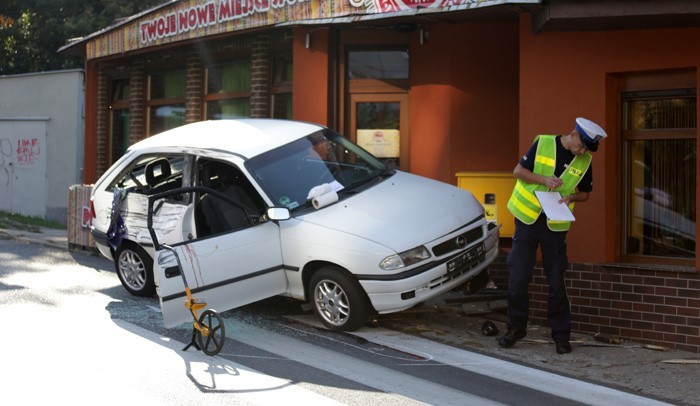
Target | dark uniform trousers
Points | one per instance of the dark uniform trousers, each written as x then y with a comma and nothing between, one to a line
521,261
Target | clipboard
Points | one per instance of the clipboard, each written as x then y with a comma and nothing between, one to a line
554,210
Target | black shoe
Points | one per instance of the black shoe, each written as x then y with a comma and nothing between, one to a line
563,347
512,336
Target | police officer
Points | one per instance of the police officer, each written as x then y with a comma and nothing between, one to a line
553,163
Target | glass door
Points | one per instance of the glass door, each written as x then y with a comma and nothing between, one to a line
376,97
379,124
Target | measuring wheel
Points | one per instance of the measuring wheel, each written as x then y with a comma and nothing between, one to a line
211,334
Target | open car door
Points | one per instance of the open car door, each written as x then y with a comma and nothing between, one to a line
226,271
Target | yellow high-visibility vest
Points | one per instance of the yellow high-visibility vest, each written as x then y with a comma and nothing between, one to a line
524,204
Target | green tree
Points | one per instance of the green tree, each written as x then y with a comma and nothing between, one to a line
31,31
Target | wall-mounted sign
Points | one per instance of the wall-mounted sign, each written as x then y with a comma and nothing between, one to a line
189,19
380,143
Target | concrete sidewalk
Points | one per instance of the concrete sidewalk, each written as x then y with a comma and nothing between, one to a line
456,319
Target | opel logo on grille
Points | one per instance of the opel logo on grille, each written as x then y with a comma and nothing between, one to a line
461,241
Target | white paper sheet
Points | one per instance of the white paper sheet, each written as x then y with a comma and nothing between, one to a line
552,208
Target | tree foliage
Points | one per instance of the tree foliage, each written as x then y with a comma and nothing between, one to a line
31,31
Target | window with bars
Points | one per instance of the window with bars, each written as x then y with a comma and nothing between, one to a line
659,143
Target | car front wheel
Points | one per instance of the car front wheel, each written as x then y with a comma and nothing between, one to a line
135,270
339,300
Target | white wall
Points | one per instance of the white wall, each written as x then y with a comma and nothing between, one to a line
57,98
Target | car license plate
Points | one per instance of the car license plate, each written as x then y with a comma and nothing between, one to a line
466,260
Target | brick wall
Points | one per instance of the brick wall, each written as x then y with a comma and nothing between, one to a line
649,306
137,101
194,87
646,305
260,77
102,121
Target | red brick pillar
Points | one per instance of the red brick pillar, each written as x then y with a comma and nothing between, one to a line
90,147
102,122
137,101
260,77
194,87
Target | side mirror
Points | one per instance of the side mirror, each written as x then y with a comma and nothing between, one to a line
278,213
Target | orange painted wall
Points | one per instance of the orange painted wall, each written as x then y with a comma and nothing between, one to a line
568,74
311,77
464,100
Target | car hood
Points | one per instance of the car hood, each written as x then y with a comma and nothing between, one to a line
401,212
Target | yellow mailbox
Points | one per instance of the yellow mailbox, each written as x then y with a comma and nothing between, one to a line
491,189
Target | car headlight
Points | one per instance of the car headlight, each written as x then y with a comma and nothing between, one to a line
406,258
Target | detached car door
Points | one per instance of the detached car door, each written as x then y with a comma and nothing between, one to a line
225,269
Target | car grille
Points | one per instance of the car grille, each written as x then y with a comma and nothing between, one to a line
471,236
461,264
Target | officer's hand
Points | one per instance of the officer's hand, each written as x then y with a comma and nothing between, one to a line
552,182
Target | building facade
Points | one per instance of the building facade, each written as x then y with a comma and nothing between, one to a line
41,142
442,87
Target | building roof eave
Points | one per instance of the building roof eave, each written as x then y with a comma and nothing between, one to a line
79,46
603,15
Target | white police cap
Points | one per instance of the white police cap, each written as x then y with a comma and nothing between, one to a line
590,132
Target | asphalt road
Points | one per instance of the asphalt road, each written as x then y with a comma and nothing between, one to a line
70,328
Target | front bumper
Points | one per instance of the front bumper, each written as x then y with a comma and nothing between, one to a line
394,295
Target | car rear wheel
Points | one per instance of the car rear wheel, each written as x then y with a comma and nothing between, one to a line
135,270
339,300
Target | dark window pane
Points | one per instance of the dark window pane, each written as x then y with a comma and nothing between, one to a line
667,113
378,64
661,176
378,115
166,117
120,133
120,90
230,108
282,105
169,84
229,78
282,71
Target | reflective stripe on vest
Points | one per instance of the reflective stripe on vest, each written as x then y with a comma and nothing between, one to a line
524,204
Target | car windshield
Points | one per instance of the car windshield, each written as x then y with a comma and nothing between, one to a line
288,173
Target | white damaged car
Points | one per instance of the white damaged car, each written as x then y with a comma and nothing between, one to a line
256,208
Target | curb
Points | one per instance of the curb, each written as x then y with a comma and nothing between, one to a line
38,239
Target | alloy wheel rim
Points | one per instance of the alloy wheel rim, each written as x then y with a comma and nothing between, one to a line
332,302
132,269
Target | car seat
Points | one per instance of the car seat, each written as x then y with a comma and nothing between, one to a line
222,215
157,171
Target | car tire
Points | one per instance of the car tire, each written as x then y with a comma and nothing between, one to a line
339,300
135,269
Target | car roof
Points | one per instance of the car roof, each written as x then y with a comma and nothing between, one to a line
247,137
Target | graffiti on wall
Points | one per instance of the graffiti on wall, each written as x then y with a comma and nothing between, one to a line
28,151
27,154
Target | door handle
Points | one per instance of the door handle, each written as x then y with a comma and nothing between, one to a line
172,272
